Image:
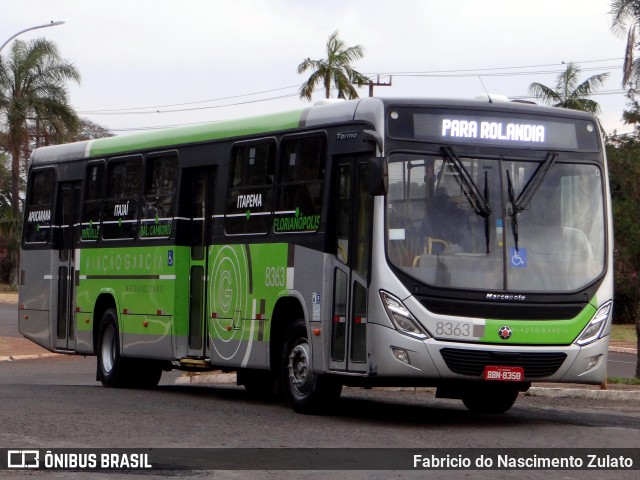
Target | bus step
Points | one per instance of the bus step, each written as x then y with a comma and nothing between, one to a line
195,363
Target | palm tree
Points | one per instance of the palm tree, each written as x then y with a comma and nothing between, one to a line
33,87
335,69
626,18
568,93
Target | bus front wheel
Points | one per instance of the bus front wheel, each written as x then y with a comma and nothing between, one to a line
303,388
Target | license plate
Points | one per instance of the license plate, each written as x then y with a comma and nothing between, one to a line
504,374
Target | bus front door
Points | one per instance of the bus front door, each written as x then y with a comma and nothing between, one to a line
200,182
63,266
351,266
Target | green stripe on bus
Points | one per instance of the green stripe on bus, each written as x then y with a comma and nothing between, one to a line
196,133
539,332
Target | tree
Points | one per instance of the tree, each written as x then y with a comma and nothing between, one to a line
33,89
9,227
334,70
43,134
624,169
89,130
568,93
626,18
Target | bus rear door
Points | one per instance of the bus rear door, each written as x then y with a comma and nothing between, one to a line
200,181
64,268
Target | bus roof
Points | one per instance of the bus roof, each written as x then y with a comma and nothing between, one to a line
368,109
168,137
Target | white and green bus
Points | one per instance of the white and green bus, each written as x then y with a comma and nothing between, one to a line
463,245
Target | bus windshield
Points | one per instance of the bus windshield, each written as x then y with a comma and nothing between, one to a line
496,223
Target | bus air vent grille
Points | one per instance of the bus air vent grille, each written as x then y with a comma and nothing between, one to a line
472,362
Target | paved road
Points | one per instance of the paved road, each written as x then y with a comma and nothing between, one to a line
55,403
622,365
9,320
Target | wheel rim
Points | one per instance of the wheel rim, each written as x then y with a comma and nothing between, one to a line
108,349
301,376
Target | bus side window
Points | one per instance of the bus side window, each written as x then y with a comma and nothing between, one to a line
123,191
39,210
92,207
249,203
302,168
156,216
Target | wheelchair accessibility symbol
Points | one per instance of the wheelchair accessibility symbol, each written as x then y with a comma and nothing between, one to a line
518,257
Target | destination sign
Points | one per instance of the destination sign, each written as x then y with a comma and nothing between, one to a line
488,128
503,131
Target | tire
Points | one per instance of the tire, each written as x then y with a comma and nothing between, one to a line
116,371
259,383
490,399
303,389
111,365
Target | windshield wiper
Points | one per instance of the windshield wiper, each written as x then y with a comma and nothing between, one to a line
521,203
514,210
470,189
487,234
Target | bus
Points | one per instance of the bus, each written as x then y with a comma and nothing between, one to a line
464,245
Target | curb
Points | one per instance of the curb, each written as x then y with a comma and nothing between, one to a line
212,378
32,356
633,351
554,392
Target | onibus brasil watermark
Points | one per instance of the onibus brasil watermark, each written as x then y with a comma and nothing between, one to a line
32,459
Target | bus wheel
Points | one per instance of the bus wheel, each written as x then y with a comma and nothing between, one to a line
111,366
117,371
304,390
490,399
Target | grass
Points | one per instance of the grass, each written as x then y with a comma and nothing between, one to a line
6,288
624,332
624,381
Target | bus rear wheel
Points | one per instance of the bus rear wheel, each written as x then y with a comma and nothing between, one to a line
303,388
490,399
116,371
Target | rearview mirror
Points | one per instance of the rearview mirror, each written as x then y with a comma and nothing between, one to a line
378,172
378,176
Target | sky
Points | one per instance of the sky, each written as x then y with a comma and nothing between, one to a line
147,64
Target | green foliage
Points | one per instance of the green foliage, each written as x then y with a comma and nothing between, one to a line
10,227
5,184
624,170
34,111
625,20
568,92
334,70
33,85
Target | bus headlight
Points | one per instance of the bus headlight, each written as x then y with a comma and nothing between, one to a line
594,329
401,317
